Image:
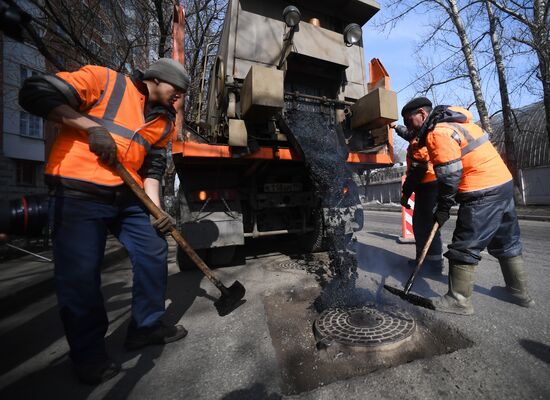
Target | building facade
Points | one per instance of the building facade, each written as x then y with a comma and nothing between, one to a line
22,144
531,151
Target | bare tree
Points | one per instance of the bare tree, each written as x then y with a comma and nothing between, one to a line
203,22
451,8
451,13
533,19
509,149
119,34
162,11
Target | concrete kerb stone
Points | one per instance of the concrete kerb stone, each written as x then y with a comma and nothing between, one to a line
526,217
17,296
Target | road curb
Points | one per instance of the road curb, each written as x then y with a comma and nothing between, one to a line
23,295
544,218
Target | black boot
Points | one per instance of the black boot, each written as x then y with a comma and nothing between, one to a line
461,285
516,280
96,372
158,334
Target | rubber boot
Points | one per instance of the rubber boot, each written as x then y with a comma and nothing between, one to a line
461,286
516,280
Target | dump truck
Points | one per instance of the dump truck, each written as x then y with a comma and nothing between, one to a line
288,108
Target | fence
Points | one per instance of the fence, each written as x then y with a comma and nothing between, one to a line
535,188
535,185
384,192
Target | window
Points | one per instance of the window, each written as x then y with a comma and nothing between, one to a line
26,173
25,73
29,125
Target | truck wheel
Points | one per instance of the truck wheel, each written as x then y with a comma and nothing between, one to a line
219,256
314,242
184,262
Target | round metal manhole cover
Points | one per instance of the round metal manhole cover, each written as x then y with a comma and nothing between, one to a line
365,327
301,265
292,265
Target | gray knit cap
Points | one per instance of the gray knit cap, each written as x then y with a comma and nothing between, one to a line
169,71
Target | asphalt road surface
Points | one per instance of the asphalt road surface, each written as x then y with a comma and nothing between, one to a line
245,354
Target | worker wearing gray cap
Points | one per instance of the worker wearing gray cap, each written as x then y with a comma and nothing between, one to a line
107,118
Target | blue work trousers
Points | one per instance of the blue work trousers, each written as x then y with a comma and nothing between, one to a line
486,220
425,200
80,230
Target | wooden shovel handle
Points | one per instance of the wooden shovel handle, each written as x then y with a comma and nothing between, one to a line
428,244
425,249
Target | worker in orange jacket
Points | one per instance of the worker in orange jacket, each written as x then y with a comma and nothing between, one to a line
422,181
107,117
471,172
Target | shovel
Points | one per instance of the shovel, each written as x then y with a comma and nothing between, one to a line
231,297
404,294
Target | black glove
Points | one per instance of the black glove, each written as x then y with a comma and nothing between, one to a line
164,224
102,144
405,202
441,216
403,132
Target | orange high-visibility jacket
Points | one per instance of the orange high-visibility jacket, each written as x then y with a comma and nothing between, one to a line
462,154
111,99
418,157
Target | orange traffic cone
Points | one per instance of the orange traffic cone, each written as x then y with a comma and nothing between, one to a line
407,235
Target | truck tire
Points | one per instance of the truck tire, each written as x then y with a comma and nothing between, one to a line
185,263
215,257
314,242
182,215
220,256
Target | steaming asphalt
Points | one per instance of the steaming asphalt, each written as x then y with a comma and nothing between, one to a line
233,357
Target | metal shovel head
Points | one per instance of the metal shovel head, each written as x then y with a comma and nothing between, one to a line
230,299
411,298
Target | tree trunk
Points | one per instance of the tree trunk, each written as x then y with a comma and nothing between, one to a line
539,29
509,148
162,28
453,12
544,67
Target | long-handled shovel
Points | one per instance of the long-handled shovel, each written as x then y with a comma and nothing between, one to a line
404,294
231,297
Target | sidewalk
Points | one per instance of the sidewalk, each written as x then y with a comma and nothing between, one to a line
25,279
530,213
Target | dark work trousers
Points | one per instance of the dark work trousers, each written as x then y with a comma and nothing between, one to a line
425,199
80,230
486,219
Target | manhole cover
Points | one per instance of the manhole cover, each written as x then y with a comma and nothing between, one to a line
365,327
292,265
302,265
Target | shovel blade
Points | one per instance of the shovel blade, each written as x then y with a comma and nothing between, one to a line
411,298
230,299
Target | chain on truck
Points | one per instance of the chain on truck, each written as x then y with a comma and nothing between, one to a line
242,172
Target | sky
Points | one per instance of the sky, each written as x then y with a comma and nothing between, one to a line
397,50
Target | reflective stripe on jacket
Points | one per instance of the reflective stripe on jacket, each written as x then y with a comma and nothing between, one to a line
418,157
462,154
111,99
